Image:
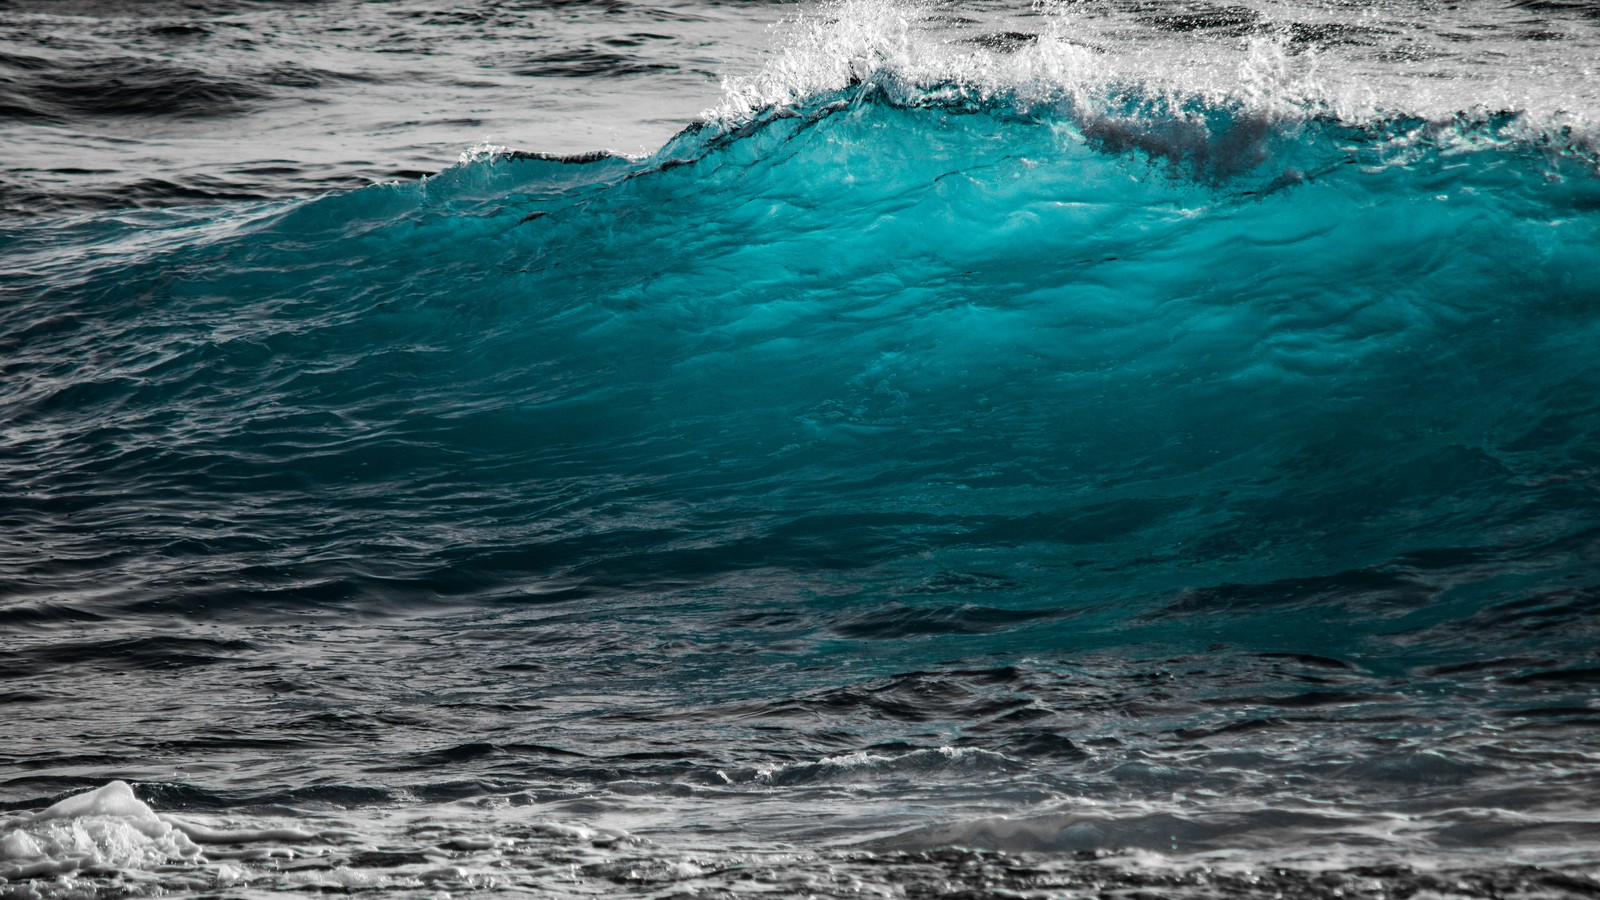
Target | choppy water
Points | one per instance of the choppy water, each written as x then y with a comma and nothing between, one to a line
946,450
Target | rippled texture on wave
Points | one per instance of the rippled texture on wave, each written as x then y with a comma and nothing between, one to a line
1119,368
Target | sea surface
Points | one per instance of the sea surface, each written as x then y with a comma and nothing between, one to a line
594,448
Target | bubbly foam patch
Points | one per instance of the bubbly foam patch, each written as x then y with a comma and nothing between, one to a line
109,833
103,831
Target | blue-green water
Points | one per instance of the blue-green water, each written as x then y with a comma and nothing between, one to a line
1167,474
911,369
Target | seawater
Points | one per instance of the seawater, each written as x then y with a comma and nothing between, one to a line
1071,450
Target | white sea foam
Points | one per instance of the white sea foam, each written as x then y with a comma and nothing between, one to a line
110,832
928,764
107,829
891,45
1290,58
109,836
1173,831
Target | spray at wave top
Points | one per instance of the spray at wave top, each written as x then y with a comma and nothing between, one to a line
1271,60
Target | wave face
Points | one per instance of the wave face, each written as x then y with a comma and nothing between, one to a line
1197,374
905,465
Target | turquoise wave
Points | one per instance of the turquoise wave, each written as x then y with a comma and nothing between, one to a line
908,365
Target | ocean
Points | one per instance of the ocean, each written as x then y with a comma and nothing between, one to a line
870,448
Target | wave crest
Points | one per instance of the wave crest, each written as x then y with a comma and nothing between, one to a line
1093,60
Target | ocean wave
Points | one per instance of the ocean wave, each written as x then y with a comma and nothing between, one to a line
908,327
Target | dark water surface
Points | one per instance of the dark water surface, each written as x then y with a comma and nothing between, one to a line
947,450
